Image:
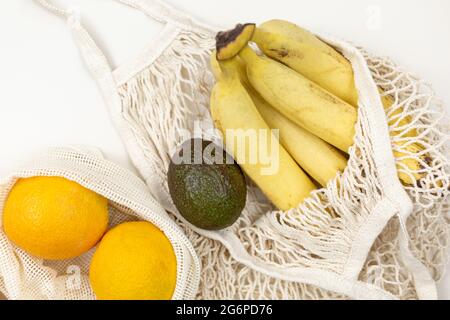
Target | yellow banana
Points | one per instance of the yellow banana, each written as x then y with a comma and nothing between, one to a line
235,114
308,55
319,159
216,68
305,53
301,100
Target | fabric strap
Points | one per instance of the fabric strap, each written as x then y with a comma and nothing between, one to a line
53,8
155,9
93,56
95,60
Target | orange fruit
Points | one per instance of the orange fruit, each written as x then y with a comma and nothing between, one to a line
134,261
54,218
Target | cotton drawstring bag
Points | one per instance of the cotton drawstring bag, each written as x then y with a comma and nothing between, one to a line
23,276
382,240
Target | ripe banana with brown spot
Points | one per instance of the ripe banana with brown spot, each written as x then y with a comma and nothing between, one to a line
233,110
305,53
319,159
308,55
301,100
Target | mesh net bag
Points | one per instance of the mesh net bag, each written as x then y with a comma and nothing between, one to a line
277,255
363,236
23,276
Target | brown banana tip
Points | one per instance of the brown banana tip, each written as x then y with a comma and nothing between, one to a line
230,43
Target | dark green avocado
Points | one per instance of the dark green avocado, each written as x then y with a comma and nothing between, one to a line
206,185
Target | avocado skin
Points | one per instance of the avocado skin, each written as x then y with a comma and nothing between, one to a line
209,196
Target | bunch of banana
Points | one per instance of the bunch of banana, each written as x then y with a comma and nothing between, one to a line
301,100
305,53
320,160
309,83
234,111
236,105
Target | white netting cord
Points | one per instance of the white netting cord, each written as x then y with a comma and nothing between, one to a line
26,277
159,139
426,118
384,267
428,226
320,234
160,109
48,5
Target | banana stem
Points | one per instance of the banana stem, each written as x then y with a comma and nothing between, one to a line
248,55
229,70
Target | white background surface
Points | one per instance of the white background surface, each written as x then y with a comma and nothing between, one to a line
48,98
